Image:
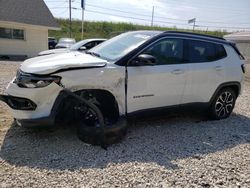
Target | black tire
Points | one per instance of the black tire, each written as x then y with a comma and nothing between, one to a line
103,137
223,104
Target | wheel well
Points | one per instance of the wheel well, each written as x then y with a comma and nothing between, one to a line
233,85
103,99
106,102
235,88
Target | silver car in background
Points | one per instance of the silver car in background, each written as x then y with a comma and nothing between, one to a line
79,46
65,43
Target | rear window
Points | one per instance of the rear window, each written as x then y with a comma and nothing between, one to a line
200,51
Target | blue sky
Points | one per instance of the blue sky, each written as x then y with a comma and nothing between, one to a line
212,15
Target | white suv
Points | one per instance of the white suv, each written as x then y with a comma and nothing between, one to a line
134,72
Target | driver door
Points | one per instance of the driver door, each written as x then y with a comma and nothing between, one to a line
161,84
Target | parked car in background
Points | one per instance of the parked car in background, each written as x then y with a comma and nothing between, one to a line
52,42
65,43
79,46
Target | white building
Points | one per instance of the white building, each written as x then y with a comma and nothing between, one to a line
242,40
24,26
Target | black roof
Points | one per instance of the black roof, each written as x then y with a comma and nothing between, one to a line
34,12
197,36
155,33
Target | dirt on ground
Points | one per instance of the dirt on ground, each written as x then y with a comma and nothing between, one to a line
179,150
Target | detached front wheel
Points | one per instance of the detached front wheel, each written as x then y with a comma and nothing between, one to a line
92,132
223,104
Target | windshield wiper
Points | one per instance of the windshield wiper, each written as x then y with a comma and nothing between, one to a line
93,53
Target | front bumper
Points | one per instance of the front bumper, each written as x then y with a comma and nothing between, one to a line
32,106
42,121
18,103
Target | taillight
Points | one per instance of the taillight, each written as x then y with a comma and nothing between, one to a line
243,68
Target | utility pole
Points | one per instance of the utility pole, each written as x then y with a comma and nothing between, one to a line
194,24
152,20
83,8
70,24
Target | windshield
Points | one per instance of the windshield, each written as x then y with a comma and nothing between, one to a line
117,47
78,45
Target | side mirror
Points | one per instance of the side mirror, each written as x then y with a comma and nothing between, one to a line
83,48
144,60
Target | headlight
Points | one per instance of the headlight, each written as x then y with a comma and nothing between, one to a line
33,81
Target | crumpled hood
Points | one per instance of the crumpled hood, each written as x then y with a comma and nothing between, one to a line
52,63
54,51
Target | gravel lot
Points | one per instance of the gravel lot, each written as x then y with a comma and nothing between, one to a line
176,151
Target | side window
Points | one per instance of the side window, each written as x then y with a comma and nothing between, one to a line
199,51
89,45
167,51
220,51
98,42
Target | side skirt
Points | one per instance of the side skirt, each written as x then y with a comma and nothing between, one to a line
190,107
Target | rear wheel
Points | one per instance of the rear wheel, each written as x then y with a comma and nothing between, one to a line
223,104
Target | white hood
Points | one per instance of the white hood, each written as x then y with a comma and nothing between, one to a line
51,63
54,51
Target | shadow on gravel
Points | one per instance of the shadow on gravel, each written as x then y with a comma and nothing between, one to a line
158,140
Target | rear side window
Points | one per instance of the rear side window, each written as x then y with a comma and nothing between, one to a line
200,51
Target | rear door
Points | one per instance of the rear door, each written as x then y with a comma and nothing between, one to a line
159,85
206,62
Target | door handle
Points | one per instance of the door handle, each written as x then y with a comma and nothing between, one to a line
177,71
218,68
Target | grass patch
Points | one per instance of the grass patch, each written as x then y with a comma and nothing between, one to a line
109,29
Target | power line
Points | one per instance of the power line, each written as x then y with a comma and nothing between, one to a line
243,23
206,6
126,12
55,1
157,21
63,12
58,7
144,15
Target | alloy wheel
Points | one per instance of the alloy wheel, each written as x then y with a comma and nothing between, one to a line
224,104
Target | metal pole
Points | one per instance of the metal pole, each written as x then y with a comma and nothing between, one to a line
194,24
152,21
70,28
82,21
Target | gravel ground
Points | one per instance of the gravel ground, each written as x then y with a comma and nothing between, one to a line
175,151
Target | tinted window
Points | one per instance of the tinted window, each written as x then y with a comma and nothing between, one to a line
11,33
98,42
199,51
167,51
90,45
220,51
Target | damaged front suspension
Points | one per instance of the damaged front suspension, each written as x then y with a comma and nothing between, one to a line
102,134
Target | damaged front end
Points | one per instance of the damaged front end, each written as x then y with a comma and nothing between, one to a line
96,115
43,101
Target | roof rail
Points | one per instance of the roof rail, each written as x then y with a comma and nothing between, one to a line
197,34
